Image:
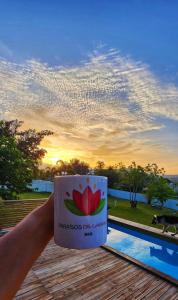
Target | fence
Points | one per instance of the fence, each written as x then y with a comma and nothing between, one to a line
126,195
42,186
48,186
13,211
170,203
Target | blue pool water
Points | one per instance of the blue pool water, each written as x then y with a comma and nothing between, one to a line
152,251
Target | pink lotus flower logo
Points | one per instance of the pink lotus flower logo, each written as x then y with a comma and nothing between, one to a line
86,203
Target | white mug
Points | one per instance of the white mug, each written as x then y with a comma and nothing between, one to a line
80,211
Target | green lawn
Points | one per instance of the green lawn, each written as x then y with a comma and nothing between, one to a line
120,208
33,195
142,214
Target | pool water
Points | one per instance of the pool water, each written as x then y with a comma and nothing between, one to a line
152,251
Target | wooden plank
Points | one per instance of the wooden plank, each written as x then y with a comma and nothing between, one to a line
38,293
96,274
88,277
34,289
107,288
155,285
171,292
74,272
160,292
54,267
94,280
126,286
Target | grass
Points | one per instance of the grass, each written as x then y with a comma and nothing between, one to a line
143,214
33,195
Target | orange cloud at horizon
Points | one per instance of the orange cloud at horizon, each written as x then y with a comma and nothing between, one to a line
142,157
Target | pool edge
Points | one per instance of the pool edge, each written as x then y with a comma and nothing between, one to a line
141,265
144,229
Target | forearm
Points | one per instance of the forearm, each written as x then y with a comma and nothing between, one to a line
20,248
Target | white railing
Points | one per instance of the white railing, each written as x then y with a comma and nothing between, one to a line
170,203
42,186
48,186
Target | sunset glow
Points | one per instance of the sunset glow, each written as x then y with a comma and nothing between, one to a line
50,160
115,99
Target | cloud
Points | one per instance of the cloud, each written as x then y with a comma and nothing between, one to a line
100,106
107,88
104,149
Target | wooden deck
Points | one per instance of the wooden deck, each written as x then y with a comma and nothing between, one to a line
90,274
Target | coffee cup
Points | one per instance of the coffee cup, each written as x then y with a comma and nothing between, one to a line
80,211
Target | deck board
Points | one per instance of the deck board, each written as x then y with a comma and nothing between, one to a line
90,275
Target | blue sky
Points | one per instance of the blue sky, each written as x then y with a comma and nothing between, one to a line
66,31
67,34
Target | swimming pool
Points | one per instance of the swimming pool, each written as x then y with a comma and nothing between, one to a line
156,253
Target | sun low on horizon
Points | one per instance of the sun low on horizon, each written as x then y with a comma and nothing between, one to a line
103,76
51,160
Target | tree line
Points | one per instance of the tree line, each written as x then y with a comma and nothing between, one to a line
21,156
132,178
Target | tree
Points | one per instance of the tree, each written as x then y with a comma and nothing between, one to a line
62,166
153,175
110,172
134,177
160,190
100,165
153,170
15,168
76,166
28,141
20,155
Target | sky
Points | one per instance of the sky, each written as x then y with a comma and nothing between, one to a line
102,75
